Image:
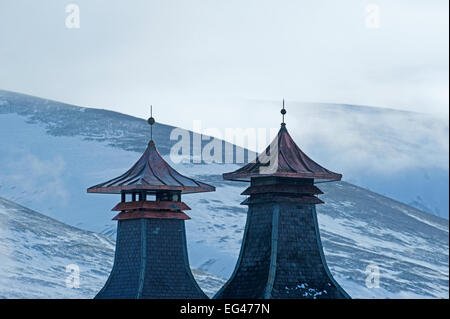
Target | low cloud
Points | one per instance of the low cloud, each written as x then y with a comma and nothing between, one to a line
37,178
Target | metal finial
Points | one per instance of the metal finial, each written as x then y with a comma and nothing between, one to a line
283,112
151,121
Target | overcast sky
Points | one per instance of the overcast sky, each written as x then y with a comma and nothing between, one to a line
195,59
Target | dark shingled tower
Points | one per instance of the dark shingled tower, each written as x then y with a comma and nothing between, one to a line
151,258
281,254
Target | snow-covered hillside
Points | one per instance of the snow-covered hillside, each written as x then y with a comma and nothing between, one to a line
51,152
36,250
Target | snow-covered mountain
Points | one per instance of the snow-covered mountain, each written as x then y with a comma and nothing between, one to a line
38,255
51,152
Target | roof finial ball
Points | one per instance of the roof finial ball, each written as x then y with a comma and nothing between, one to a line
283,112
151,121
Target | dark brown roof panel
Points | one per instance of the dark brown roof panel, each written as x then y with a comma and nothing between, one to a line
151,172
286,160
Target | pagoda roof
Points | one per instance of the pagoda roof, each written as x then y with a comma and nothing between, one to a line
152,173
288,161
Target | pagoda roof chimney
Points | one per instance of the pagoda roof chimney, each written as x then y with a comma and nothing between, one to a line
151,173
283,158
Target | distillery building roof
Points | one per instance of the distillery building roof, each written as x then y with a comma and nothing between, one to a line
283,158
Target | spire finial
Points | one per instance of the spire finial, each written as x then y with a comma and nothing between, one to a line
283,112
151,121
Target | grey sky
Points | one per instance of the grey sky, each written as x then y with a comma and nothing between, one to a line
194,59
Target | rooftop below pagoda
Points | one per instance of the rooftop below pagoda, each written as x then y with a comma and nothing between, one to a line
283,158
